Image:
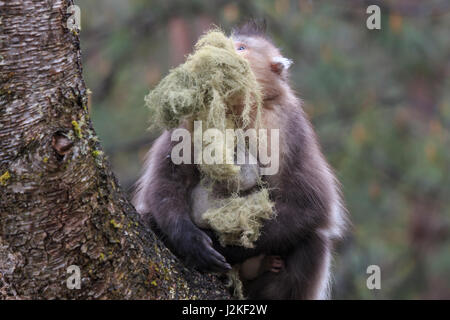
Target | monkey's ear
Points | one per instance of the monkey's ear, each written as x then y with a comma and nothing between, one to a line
279,64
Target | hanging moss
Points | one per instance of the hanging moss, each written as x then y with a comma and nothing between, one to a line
235,283
239,220
213,78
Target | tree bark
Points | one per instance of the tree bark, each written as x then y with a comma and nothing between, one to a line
60,204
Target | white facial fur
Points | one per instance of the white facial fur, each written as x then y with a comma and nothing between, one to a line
284,61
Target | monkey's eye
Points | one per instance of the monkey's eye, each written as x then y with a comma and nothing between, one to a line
241,48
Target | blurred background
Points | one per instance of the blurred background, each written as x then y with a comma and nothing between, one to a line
379,101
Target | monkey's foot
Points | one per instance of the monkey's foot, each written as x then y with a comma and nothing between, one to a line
276,264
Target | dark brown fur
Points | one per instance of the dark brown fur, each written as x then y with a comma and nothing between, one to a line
305,192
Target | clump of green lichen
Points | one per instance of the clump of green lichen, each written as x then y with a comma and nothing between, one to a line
77,129
115,224
4,178
97,153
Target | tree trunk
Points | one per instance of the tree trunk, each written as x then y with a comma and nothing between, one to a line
60,204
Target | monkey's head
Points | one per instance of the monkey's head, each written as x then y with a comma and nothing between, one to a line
267,63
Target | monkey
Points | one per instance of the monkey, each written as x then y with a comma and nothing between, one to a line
157,160
310,216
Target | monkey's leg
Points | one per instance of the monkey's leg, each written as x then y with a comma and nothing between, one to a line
305,276
163,200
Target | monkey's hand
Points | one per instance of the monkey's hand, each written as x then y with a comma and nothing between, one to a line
233,254
196,247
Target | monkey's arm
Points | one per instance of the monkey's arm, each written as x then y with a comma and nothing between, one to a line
163,197
294,222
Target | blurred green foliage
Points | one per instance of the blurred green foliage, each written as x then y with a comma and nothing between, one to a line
379,100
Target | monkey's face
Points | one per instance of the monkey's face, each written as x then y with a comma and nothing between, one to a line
266,61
